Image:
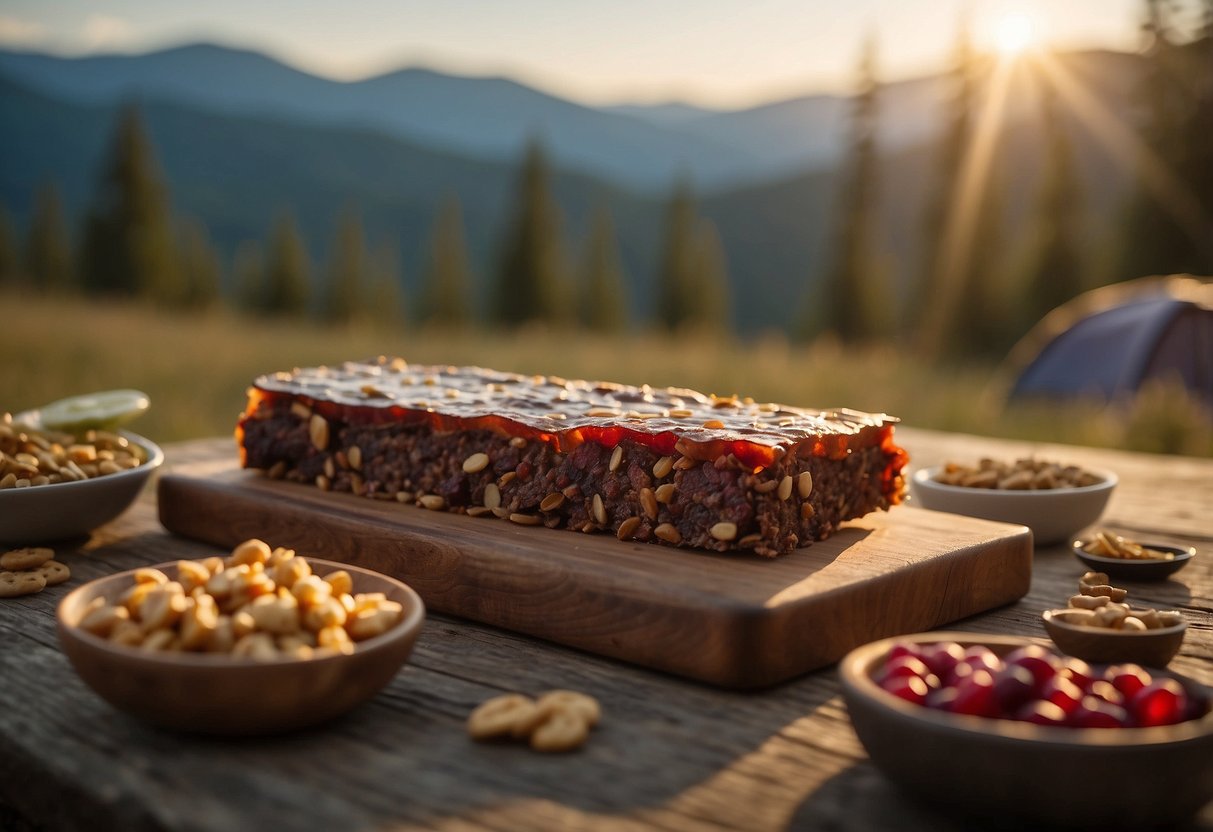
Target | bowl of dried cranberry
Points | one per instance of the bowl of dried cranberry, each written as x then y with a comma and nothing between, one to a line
999,727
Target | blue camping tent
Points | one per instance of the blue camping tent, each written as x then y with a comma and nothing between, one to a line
1106,343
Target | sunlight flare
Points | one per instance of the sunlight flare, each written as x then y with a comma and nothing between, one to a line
965,205
1122,143
1013,33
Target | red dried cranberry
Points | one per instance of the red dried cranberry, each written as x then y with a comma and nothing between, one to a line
975,695
1062,692
942,658
1163,702
1094,712
1106,691
904,666
1128,678
1079,672
1038,661
910,688
1013,687
1041,712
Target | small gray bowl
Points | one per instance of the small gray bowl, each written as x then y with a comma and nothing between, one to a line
62,510
1137,570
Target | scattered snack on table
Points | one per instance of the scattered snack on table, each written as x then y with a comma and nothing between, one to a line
1032,684
29,557
30,569
558,721
16,584
654,465
1022,475
1108,545
258,603
32,457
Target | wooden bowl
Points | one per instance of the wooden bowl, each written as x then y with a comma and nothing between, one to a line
1136,570
1054,515
1002,769
217,694
1152,648
44,513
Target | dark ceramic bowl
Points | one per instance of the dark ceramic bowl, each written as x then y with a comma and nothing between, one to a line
1152,648
215,694
1136,570
996,768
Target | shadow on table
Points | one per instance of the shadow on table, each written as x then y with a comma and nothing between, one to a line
862,798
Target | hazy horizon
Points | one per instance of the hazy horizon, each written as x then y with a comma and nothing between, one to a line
587,54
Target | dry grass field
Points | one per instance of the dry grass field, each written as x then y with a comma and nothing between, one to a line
196,368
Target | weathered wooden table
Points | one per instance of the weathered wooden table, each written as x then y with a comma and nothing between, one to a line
670,754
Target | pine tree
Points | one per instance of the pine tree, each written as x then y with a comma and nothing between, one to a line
853,296
10,262
708,307
347,272
446,293
128,241
199,265
603,305
676,276
48,255
288,268
386,292
531,283
1053,273
1170,229
248,275
956,310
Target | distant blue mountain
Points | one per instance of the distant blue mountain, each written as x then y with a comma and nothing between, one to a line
643,147
490,118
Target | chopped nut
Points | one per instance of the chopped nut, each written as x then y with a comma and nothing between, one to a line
628,528
475,463
668,532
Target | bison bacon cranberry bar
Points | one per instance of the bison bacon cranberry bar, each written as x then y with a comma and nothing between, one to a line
647,464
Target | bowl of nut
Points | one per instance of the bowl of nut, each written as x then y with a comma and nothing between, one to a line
1100,625
260,642
56,485
998,727
1123,558
1054,500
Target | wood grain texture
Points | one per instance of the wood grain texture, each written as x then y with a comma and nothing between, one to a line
669,755
736,620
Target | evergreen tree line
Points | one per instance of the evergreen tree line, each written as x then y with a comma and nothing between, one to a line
976,289
131,247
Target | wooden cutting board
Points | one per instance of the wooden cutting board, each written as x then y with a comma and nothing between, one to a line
739,621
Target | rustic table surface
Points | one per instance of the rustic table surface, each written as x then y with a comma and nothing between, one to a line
670,754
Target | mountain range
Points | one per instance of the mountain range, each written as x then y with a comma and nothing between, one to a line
642,147
241,137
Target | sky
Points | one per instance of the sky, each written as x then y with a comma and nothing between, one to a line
708,52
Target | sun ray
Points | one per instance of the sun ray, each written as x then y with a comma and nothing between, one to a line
1013,33
1127,149
965,206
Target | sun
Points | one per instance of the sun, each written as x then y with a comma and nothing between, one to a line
1013,33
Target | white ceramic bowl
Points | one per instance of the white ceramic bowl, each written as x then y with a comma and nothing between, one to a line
1054,515
44,513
